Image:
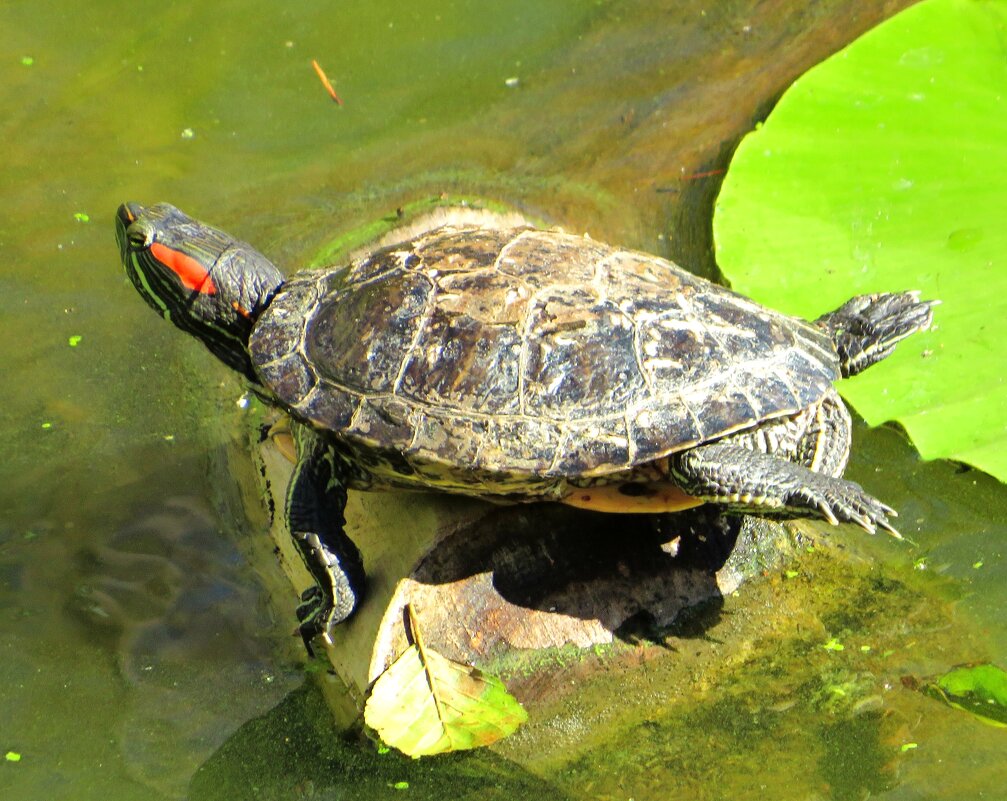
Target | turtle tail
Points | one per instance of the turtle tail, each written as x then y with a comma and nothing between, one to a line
867,328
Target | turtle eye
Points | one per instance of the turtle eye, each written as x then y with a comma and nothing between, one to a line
139,236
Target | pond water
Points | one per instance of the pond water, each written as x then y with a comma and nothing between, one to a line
141,657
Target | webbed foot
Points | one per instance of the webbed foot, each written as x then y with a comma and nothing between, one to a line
758,483
842,501
310,614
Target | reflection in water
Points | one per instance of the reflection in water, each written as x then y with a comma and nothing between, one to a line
169,595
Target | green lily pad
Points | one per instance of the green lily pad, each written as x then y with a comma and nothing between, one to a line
885,168
428,704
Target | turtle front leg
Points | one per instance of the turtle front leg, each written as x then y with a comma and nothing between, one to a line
758,483
316,499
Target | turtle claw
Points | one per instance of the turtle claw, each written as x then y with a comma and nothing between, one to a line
890,528
863,522
839,501
827,512
306,637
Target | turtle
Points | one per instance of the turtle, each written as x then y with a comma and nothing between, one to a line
521,364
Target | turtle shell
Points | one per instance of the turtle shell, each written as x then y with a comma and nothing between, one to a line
530,352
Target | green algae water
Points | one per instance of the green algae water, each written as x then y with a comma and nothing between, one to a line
141,657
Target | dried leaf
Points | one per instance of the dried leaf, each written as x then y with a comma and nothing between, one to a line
428,704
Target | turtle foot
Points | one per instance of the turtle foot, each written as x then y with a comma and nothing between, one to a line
757,483
840,501
312,613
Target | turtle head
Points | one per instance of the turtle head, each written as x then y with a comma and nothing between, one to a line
205,281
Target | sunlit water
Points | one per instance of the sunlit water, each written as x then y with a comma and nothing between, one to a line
140,656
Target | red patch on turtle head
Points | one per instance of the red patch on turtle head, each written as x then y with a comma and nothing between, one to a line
190,272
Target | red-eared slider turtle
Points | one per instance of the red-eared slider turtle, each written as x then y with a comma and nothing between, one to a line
521,365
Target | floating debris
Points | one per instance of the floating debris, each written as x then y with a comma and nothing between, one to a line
325,82
979,690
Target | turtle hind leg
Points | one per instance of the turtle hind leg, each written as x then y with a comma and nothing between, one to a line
316,499
867,328
757,483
